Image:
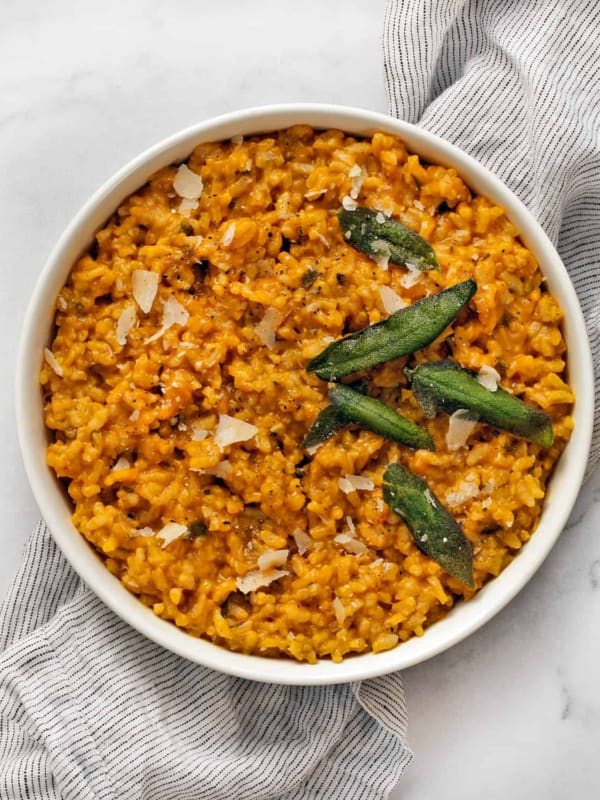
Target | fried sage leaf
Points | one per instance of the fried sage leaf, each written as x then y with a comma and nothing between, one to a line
383,238
446,386
374,415
329,421
435,531
403,332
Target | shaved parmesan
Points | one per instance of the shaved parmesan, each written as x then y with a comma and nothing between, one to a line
254,580
351,483
187,206
413,276
302,539
52,362
429,497
222,470
228,235
125,323
198,433
144,285
135,415
312,195
187,183
466,491
173,314
339,610
381,250
488,378
358,178
390,300
312,450
350,524
272,558
351,544
121,463
170,532
349,203
231,430
460,428
267,327
145,531
380,218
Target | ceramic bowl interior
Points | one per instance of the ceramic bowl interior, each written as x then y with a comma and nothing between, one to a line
54,505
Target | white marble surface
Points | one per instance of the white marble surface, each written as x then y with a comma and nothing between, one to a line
513,711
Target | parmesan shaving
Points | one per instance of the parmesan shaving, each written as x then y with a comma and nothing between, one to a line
460,428
390,300
488,378
272,558
429,497
268,325
351,544
188,184
380,218
135,415
351,483
187,206
145,531
121,463
413,276
349,203
173,314
302,539
198,433
228,235
222,470
466,491
170,532
125,323
358,178
52,362
339,610
312,195
144,285
254,580
381,250
231,430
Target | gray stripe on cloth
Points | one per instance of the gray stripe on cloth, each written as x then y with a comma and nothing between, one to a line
90,709
516,84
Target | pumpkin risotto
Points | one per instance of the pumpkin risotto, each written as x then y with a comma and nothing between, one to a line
178,398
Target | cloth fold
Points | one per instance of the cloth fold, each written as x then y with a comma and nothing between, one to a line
91,709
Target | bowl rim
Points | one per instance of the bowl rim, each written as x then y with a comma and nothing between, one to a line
465,618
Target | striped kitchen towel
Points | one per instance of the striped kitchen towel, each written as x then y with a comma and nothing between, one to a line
91,710
516,84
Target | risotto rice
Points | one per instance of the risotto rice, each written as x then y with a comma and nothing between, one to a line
177,395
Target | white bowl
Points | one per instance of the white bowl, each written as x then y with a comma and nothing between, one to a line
465,617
